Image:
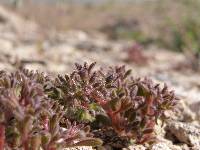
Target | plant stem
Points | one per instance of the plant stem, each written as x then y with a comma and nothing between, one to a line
2,136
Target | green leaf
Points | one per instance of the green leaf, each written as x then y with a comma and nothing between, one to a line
46,138
35,142
84,115
127,73
94,106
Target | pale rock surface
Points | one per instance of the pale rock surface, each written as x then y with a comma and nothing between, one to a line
135,147
185,132
182,112
160,146
195,107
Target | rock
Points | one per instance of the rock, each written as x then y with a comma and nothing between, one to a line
5,66
135,147
187,114
93,45
5,45
160,146
165,144
181,147
182,112
185,132
195,108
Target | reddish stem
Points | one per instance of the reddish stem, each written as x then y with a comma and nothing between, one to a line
26,145
114,115
50,147
2,136
149,105
99,100
46,123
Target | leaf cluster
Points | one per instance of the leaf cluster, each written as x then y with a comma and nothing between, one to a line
40,112
113,99
30,120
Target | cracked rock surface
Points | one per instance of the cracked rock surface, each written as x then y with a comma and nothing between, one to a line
185,133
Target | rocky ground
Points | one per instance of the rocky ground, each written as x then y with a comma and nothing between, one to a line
23,44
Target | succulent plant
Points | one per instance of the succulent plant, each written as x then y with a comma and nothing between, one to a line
113,99
40,112
30,120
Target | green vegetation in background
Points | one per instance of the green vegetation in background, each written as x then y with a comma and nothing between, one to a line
184,34
136,35
176,34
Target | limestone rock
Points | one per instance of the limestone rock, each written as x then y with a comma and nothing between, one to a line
135,147
195,107
160,146
185,132
182,113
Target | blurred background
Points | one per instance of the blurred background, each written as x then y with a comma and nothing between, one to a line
156,38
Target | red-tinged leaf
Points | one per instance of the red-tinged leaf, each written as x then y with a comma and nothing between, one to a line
89,142
2,136
148,131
